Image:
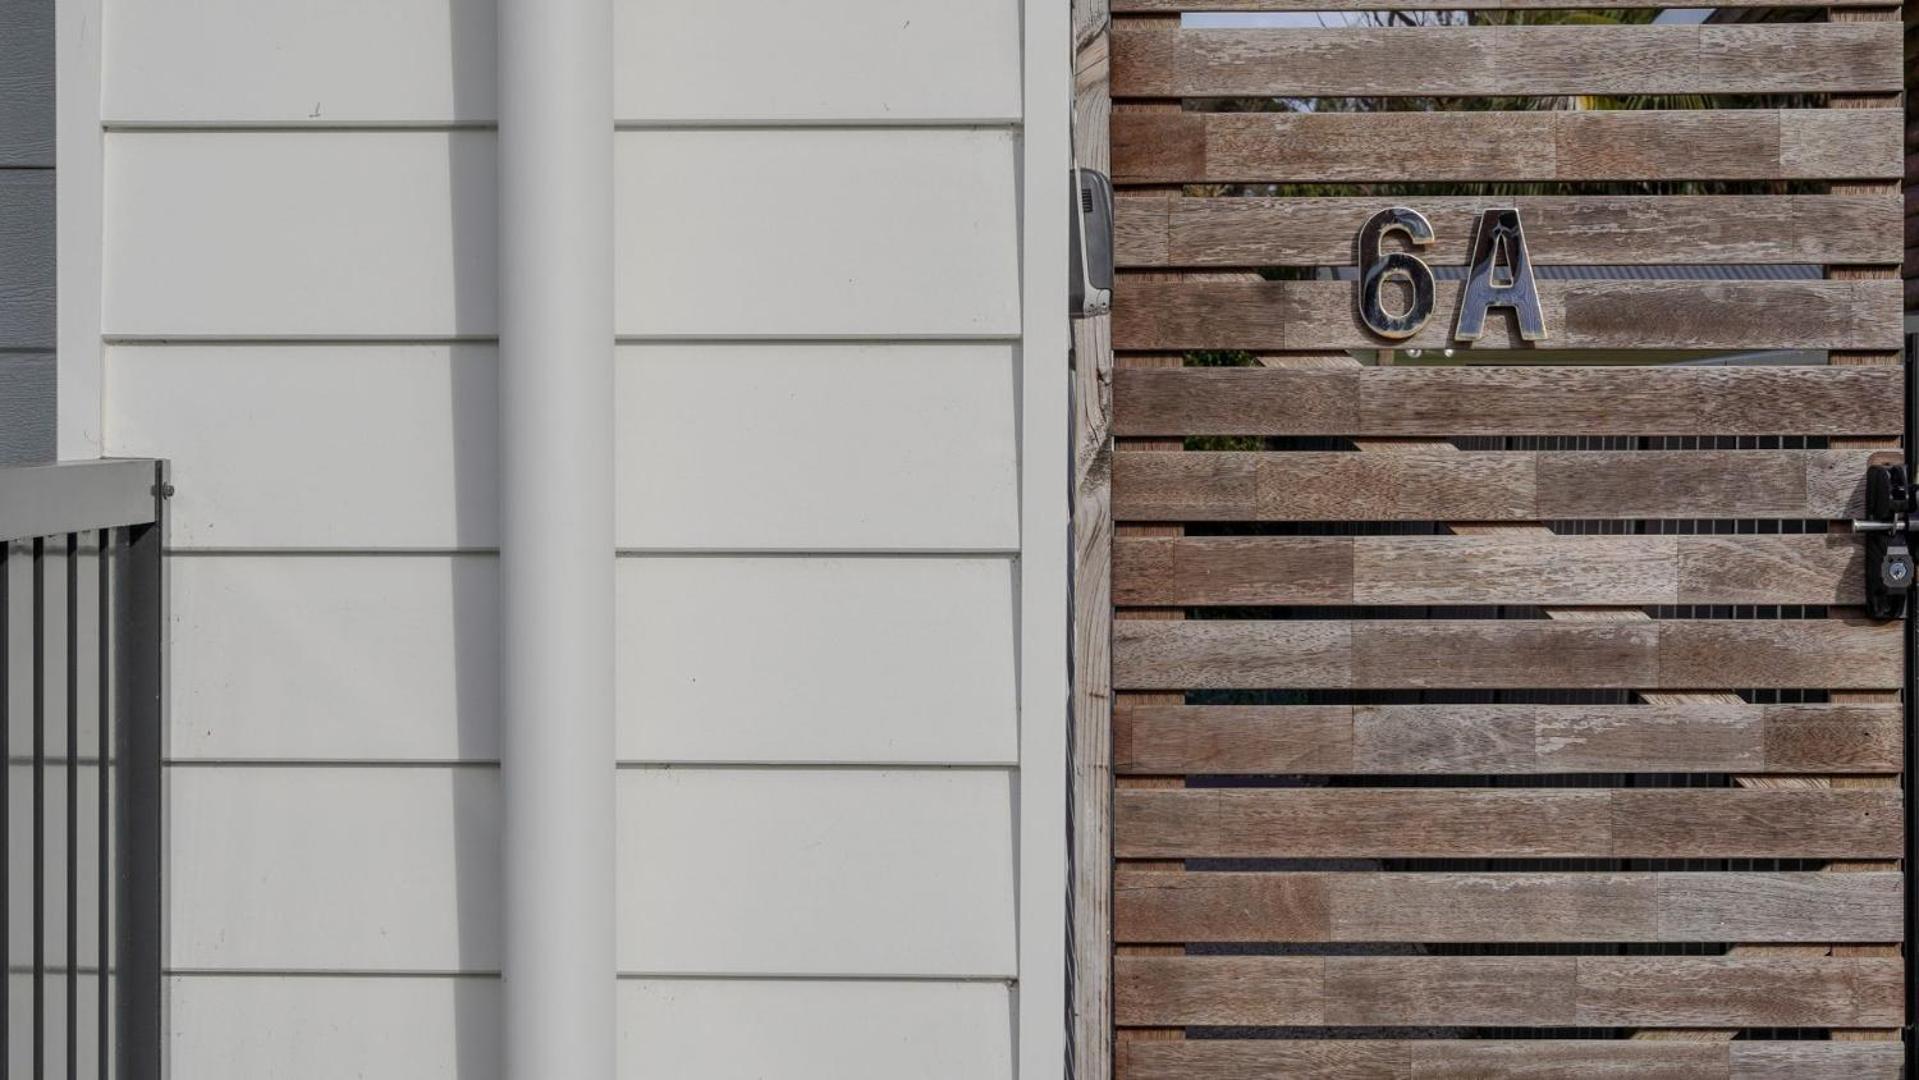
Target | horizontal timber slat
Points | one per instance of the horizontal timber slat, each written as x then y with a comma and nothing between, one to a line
1160,230
1171,7
1316,907
1219,654
1812,568
1434,740
1426,147
1518,485
1559,823
1517,1059
1590,314
1447,402
1156,60
1530,991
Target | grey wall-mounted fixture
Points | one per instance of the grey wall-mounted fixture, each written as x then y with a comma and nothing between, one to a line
1091,291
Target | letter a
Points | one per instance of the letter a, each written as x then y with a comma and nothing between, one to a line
1501,276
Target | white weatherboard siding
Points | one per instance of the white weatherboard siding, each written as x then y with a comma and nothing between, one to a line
315,446
768,233
431,61
828,446
322,658
735,1029
823,388
298,869
816,872
248,234
897,61
836,660
302,1028
298,62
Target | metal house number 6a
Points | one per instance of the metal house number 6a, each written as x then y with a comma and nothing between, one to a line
1501,276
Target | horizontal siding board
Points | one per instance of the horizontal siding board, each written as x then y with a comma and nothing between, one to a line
334,658
1158,230
817,446
1469,570
1594,314
833,666
798,872
1517,1059
1162,907
1507,739
26,257
300,234
321,1028
1502,401
868,233
890,61
1704,823
1151,60
280,62
259,859
429,61
1424,147
298,445
815,1030
1532,991
26,84
1417,485
315,446
1218,654
28,389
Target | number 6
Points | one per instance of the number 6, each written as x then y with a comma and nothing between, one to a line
1375,270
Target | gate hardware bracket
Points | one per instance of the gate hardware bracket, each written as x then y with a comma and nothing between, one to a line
1890,500
1091,286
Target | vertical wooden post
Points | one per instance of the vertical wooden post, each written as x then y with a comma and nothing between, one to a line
1865,273
1092,1030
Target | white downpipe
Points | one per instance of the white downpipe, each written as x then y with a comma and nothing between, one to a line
556,552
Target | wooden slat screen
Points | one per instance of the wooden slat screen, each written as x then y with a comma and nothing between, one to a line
1500,709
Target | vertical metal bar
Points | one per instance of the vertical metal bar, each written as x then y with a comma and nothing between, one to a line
73,806
140,664
39,808
103,717
6,799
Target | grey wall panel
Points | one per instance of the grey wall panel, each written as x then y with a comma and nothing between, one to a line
26,259
26,407
26,83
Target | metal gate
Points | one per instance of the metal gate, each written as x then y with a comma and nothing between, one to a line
1492,704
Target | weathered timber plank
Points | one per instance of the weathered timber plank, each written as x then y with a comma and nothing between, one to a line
1167,572
1849,653
1519,1059
1812,991
1469,570
1596,314
1758,1060
1091,1027
1171,7
1506,907
1529,991
1455,401
1155,60
1507,739
1415,485
1705,144
1161,231
1221,654
1383,823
